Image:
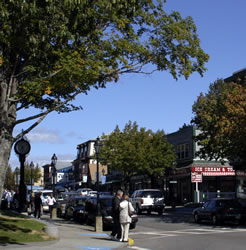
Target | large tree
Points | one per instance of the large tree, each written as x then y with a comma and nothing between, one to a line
221,116
136,150
10,180
53,50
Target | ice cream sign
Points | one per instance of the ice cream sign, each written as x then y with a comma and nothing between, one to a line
214,171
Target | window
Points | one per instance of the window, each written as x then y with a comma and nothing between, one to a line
78,152
183,151
85,151
152,194
83,169
212,204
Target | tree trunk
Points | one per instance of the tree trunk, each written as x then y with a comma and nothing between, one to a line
5,149
7,120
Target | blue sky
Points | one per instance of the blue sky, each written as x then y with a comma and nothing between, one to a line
154,102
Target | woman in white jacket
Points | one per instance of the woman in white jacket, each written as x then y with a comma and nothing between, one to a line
126,209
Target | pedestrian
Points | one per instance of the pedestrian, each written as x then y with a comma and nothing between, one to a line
37,205
32,204
9,199
116,230
16,200
126,210
51,203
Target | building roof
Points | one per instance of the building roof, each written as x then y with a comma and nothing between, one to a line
238,74
61,164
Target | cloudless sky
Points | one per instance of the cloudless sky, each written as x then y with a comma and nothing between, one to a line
154,102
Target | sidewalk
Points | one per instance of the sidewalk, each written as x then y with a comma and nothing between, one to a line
70,236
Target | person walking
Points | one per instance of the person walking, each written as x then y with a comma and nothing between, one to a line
32,203
37,205
51,202
116,230
126,210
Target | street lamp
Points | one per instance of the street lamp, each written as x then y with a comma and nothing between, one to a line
31,166
22,148
53,165
98,146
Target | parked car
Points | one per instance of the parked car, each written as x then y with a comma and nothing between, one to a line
148,200
105,193
83,191
106,211
61,202
76,209
219,210
92,193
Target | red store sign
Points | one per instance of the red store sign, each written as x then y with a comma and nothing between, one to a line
196,177
214,171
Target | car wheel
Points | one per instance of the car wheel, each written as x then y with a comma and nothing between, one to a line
214,219
196,218
138,210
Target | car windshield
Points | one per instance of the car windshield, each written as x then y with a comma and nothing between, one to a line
152,194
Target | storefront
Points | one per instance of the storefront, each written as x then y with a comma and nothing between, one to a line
200,183
219,181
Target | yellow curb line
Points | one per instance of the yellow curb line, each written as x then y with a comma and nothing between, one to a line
130,242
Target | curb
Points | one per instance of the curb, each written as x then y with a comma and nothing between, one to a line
52,231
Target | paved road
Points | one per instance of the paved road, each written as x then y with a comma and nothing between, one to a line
178,231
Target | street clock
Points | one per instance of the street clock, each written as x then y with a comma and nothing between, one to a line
22,147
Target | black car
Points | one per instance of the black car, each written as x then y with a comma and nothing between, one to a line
105,205
61,202
220,210
76,209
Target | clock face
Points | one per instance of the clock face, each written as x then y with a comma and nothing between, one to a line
22,147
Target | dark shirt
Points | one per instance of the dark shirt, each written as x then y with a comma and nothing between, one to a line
38,201
116,207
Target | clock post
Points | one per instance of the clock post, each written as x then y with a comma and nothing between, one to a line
22,148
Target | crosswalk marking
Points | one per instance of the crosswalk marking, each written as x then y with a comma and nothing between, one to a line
190,231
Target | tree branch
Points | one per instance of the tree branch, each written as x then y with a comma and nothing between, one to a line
53,74
12,78
30,128
49,110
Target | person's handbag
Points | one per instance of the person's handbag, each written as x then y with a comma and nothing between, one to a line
129,210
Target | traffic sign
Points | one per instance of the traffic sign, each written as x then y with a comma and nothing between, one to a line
196,177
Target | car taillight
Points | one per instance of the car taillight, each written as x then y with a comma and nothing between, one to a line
227,210
142,201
